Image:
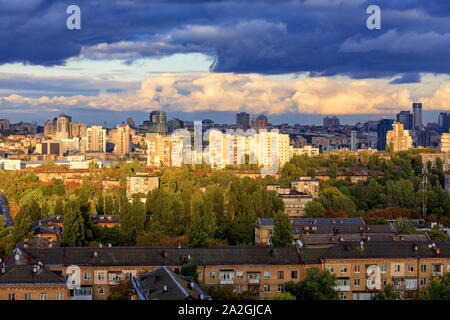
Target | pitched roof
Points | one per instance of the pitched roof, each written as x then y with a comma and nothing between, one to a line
25,274
163,284
318,239
400,249
268,222
164,256
343,229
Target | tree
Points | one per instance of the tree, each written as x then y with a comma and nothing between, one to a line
282,231
438,289
203,223
403,226
73,225
283,296
190,270
438,234
22,225
314,209
386,294
318,285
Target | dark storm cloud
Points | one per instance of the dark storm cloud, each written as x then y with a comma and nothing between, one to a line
407,78
324,37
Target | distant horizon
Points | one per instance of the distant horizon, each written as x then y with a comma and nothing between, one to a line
428,116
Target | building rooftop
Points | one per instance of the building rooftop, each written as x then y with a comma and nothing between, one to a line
268,222
163,284
170,256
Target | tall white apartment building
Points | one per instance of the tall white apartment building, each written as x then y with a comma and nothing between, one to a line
96,139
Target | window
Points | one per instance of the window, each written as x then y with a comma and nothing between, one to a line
87,276
343,295
266,274
280,288
239,289
397,268
294,274
59,296
357,269
397,296
357,282
11,296
239,275
384,268
101,290
27,296
410,268
114,278
266,288
384,280
331,269
212,275
423,268
43,296
129,275
280,274
423,281
226,276
101,276
343,269
448,268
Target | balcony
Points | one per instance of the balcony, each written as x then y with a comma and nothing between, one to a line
83,293
411,283
343,284
397,283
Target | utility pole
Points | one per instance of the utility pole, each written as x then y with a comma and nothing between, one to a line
424,174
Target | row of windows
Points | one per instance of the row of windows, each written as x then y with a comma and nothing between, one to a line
357,282
397,268
266,288
101,276
240,275
43,296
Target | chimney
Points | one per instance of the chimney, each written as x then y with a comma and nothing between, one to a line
272,252
165,289
163,253
157,278
347,248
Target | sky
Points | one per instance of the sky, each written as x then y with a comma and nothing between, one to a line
294,61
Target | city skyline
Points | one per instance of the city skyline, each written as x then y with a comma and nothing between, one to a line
206,62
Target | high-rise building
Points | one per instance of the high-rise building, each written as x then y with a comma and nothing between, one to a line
445,142
164,150
123,140
259,123
242,121
4,125
131,122
406,118
157,122
353,140
382,128
443,122
63,126
398,138
417,112
96,139
50,128
332,122
78,130
174,124
423,138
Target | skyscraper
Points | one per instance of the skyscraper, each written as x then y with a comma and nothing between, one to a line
123,140
332,122
96,139
406,118
242,121
443,122
417,111
382,128
259,123
63,126
157,122
353,140
398,138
